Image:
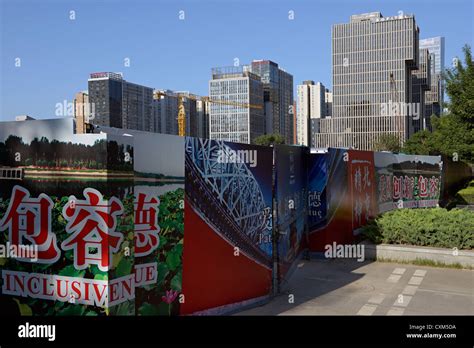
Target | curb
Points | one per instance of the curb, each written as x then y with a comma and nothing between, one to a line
411,253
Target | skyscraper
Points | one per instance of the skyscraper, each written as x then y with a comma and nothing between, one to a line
165,113
373,60
202,110
435,45
236,105
421,84
82,111
311,105
137,107
278,97
119,103
328,100
434,98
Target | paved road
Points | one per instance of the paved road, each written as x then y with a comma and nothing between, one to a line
347,287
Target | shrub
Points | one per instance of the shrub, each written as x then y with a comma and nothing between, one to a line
466,195
435,227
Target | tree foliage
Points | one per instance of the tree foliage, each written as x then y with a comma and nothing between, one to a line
388,142
453,133
269,139
43,153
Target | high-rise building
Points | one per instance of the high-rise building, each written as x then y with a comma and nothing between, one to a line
295,128
373,59
421,81
119,103
189,101
137,107
311,106
328,100
236,110
82,111
435,45
202,110
278,97
434,98
165,113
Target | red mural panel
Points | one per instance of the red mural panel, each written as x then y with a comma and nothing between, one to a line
213,275
362,187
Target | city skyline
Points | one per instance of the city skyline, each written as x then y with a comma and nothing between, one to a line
45,78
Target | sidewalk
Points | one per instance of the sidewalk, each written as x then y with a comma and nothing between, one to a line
347,287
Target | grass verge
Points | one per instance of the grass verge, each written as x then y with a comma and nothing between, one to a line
426,262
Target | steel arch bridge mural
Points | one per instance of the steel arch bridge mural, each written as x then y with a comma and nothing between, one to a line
228,199
234,190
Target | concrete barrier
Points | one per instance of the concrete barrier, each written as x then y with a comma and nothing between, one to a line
404,253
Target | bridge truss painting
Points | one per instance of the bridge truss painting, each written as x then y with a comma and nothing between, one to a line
228,218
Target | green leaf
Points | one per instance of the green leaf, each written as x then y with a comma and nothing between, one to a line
59,304
148,309
69,254
101,277
70,271
123,268
163,241
126,308
25,310
163,271
72,309
176,281
116,258
95,270
173,260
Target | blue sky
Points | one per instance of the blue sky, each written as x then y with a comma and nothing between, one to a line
57,54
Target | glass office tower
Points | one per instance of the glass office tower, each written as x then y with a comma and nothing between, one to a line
236,111
373,58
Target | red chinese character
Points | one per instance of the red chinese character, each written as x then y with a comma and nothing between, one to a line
30,219
434,182
146,225
358,180
92,223
423,183
397,186
388,186
408,187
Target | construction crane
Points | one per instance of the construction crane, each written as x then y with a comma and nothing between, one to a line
182,111
181,117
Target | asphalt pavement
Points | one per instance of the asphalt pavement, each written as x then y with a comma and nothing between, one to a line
348,287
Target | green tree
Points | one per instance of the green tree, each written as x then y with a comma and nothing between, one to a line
420,143
453,132
269,139
460,88
387,142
